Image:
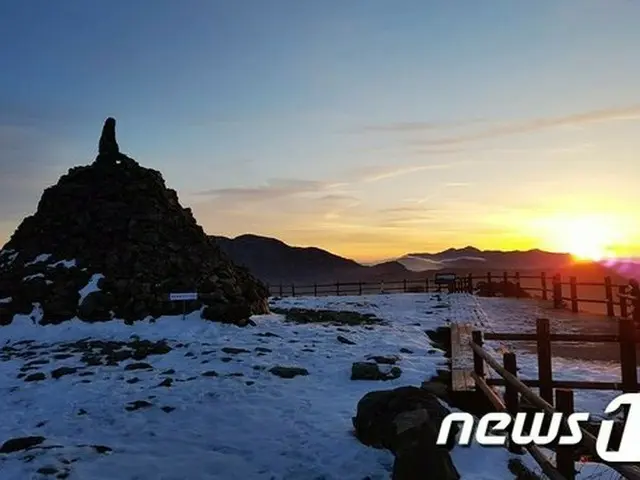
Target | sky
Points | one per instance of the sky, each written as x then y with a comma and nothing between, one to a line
369,128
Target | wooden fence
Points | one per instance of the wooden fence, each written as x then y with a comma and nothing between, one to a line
555,290
462,284
552,288
517,389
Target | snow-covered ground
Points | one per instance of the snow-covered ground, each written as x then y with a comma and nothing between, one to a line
223,414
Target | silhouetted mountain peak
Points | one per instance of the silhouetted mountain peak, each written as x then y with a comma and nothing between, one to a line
468,250
274,261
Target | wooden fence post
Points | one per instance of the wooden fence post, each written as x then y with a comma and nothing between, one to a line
478,362
545,373
557,291
426,285
628,366
608,294
573,284
281,290
293,290
505,278
565,453
517,284
543,282
404,285
489,285
511,394
624,313
470,283
337,288
359,288
315,289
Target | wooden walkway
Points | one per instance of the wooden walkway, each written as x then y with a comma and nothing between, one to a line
461,357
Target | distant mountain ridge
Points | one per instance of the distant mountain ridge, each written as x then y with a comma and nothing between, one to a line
274,261
473,258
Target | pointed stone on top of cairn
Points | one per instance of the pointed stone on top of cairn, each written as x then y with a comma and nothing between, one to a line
108,144
108,149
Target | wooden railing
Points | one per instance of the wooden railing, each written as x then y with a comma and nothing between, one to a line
462,284
555,290
516,388
549,288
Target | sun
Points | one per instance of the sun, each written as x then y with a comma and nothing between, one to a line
587,239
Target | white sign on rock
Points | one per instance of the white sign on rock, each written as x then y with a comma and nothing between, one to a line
174,297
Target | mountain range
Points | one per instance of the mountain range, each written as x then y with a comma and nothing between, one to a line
474,258
274,261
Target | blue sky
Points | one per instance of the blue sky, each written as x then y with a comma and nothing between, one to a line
371,128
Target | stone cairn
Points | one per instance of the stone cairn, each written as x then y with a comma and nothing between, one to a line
114,224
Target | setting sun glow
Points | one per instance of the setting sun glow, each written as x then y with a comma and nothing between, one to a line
587,238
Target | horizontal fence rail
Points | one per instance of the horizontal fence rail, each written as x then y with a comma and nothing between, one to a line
462,284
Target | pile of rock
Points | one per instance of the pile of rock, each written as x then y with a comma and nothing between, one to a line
501,289
406,421
110,240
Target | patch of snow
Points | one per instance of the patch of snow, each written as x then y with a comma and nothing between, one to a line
64,263
6,300
31,277
255,426
11,257
37,313
90,287
43,257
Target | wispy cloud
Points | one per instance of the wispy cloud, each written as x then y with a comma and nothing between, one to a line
457,184
337,199
604,115
273,189
412,209
376,173
410,127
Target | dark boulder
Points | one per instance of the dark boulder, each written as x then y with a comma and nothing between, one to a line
406,421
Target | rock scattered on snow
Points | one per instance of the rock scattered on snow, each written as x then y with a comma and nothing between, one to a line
137,405
62,371
234,351
371,371
288,372
35,377
138,366
20,443
345,340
